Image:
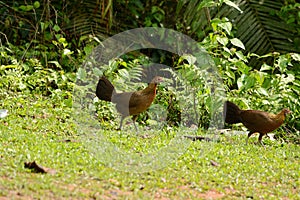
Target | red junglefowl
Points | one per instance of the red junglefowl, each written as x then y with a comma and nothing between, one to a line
256,121
128,103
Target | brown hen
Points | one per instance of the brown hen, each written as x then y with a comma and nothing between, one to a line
128,103
256,121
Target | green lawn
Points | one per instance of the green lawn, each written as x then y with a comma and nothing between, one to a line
37,128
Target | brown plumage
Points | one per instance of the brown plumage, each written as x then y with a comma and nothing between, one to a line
256,121
128,103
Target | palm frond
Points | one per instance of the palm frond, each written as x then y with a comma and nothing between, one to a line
258,26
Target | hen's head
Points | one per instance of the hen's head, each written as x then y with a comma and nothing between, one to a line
157,79
286,111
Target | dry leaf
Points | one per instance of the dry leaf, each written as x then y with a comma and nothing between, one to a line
37,168
214,163
200,138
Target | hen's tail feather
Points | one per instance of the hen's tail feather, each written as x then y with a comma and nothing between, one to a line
104,89
232,113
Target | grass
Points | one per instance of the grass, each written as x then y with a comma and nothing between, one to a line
37,129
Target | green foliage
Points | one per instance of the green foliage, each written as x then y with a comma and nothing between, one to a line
269,88
291,15
30,77
192,92
31,32
45,68
155,17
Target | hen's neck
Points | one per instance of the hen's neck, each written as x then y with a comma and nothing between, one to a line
151,88
280,117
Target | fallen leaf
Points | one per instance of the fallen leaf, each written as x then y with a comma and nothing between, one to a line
3,113
68,140
214,163
163,180
200,138
38,168
142,187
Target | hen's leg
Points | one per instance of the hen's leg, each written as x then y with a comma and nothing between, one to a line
260,139
134,119
121,123
249,134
